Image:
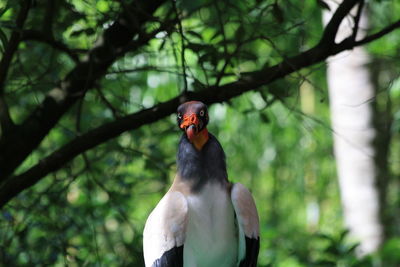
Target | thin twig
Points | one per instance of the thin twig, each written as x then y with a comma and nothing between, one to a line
221,25
378,34
6,123
180,28
33,35
47,24
113,109
357,19
13,43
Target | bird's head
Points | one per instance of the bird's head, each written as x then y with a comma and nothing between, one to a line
192,119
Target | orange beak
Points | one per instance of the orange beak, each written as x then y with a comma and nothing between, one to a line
191,125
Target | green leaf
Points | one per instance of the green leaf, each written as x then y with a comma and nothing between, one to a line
246,55
196,47
195,34
164,41
88,31
4,10
215,35
343,235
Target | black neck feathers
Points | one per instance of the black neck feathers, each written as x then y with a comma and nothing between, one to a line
200,167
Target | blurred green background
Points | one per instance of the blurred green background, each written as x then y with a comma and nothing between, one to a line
277,138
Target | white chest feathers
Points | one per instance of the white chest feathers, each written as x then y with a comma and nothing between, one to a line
212,236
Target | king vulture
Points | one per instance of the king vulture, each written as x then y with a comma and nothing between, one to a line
203,220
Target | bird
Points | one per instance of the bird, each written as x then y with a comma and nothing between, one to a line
203,220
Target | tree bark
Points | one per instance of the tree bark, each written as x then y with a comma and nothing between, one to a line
351,94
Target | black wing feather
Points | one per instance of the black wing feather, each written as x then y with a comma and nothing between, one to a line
252,249
171,258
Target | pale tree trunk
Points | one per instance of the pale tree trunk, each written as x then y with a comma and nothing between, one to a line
351,94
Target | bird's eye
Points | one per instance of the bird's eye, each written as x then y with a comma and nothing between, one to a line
202,112
179,116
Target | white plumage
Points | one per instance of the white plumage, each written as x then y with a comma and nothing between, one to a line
205,224
203,220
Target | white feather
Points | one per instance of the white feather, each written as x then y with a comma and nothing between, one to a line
166,227
205,224
245,209
211,234
247,216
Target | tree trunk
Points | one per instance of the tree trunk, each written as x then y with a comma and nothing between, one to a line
351,94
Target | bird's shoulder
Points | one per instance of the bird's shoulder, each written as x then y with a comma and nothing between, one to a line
165,228
245,209
171,212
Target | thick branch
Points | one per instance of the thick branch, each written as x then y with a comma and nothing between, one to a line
211,95
27,136
14,185
328,38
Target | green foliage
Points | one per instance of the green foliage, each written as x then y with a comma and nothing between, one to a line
277,139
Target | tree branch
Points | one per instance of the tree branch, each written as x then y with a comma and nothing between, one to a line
214,94
328,37
13,43
180,30
379,34
48,39
6,123
357,19
112,45
48,19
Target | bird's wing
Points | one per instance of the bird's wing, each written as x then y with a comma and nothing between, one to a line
248,224
164,232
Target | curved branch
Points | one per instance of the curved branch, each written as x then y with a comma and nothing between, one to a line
251,81
211,95
379,34
331,29
114,43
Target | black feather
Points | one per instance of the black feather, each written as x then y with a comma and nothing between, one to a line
170,258
202,166
252,249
